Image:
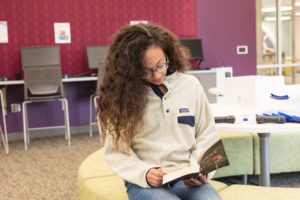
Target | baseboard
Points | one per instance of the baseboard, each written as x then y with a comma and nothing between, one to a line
52,132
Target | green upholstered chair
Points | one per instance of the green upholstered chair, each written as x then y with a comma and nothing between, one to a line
284,152
239,150
96,181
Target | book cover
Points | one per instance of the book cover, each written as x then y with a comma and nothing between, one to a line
211,158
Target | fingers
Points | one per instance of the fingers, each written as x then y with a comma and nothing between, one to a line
188,183
194,182
155,177
202,178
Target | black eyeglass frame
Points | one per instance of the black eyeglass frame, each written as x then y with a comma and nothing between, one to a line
149,72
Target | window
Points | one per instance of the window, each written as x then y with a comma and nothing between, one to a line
276,38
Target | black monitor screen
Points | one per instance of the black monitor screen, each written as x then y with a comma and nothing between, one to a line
96,56
40,55
195,47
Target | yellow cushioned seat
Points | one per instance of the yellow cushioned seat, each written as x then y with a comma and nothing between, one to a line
96,181
247,192
104,188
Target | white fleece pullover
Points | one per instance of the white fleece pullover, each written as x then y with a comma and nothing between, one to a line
177,126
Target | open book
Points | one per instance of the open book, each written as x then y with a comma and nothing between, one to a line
210,159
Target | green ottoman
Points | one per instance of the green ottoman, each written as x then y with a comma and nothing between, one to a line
284,152
239,150
96,181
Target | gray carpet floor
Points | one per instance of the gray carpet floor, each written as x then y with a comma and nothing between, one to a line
47,171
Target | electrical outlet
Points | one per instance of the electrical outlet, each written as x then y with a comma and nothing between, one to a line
15,107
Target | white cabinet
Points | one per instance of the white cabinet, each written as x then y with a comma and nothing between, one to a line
212,78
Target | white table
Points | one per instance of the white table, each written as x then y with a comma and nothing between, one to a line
5,84
262,130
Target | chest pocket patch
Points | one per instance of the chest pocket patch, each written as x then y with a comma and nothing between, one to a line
184,110
189,120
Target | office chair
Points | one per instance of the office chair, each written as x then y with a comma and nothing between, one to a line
96,59
94,102
43,82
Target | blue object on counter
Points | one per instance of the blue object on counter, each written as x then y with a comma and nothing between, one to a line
290,118
296,118
273,114
277,97
266,114
287,117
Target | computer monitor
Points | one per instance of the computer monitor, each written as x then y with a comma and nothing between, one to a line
96,56
40,55
195,47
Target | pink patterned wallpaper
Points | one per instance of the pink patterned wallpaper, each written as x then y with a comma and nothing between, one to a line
93,22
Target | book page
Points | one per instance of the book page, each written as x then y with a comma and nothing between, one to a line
181,173
171,169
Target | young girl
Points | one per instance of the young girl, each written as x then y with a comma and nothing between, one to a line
152,115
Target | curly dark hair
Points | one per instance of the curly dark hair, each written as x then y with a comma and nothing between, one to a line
123,90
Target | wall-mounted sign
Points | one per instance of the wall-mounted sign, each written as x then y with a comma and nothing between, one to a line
3,32
134,22
62,33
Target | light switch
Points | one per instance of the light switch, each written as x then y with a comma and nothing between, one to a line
242,49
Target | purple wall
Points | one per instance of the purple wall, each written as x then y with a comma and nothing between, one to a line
92,23
223,25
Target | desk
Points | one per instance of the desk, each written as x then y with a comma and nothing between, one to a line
262,130
64,80
79,79
3,88
5,84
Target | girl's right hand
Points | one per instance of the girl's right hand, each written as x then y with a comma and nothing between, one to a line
155,177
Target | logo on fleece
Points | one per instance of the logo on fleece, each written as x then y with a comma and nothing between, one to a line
184,110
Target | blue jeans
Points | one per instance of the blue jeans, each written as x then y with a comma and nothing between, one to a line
175,192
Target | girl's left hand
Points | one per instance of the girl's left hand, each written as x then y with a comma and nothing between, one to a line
195,182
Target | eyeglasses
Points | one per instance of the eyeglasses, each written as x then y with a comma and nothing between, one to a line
160,68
